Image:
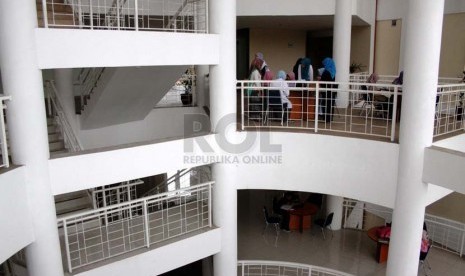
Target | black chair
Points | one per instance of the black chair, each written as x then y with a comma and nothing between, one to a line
325,223
273,220
274,107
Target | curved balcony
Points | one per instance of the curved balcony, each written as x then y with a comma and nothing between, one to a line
135,15
355,109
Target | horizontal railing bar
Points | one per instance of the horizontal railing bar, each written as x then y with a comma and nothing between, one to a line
154,198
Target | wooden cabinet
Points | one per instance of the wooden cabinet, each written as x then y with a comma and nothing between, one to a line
303,105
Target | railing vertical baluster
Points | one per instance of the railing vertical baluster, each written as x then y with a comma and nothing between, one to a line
146,218
118,23
210,205
45,13
463,242
91,14
68,256
394,116
81,22
242,105
207,28
136,15
5,161
243,269
317,104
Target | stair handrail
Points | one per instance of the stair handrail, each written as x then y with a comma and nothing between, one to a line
71,141
115,8
3,140
166,182
176,14
88,79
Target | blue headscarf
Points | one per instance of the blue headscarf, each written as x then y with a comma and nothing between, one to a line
305,69
329,65
281,75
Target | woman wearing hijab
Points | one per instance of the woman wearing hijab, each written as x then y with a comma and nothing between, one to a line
284,93
306,70
255,106
328,95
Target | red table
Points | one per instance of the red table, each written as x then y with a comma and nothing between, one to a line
298,215
382,248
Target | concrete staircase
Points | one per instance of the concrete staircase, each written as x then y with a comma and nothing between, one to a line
55,142
72,203
58,13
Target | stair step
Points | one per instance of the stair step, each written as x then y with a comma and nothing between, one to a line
51,129
73,205
64,23
75,212
58,145
53,137
70,196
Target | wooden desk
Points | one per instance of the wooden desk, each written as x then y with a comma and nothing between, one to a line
301,218
382,248
303,105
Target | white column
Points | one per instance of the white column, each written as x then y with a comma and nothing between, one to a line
422,51
334,205
201,86
341,46
222,98
27,126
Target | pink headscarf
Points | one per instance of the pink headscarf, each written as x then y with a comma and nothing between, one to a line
373,78
290,77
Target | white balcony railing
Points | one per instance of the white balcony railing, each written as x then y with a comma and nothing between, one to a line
446,234
369,109
3,137
115,194
154,15
107,232
274,268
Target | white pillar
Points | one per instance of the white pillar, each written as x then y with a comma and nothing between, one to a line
201,86
222,98
334,205
422,51
341,46
27,127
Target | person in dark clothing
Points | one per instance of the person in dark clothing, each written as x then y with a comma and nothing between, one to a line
328,94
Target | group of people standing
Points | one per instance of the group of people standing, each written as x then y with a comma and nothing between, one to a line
301,71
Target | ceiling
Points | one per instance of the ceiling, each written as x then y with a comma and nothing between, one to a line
307,23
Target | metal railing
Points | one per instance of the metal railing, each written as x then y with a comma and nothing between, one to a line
275,268
115,194
71,142
367,109
450,106
88,81
3,137
155,15
107,232
183,178
446,234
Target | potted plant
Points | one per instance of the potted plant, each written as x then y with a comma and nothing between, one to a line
186,81
355,67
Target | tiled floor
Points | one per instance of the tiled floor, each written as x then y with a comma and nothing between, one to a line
349,251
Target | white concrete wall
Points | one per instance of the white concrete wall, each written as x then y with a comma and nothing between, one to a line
355,168
69,48
163,259
91,169
160,123
396,9
279,7
15,219
362,8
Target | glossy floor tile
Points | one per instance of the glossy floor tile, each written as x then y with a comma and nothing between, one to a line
349,251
